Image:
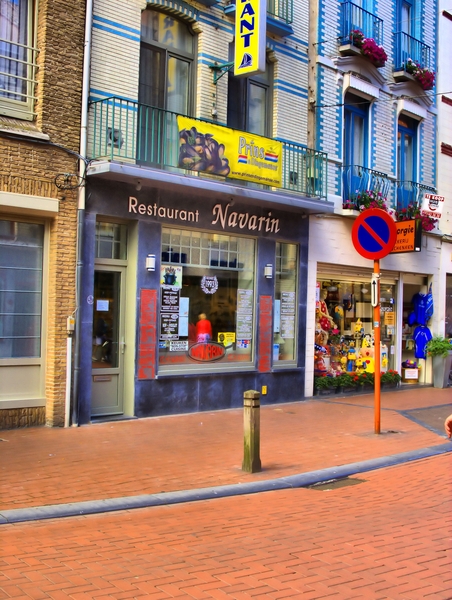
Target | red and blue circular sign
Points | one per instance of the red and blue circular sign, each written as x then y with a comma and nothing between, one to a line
374,233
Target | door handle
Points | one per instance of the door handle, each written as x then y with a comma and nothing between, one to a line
122,345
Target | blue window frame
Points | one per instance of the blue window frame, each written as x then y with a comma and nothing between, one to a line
356,126
406,158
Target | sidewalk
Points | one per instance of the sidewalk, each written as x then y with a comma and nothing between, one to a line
45,466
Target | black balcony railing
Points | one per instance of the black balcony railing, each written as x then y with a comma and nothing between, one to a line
126,131
354,17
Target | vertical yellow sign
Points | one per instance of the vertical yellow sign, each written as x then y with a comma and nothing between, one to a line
250,31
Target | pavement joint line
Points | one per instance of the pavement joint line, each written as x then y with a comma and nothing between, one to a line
301,480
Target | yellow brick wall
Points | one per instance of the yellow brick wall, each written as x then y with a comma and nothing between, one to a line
29,166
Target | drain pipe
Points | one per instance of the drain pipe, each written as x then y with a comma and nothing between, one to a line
81,203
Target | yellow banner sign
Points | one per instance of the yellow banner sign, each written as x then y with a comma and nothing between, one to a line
250,32
223,151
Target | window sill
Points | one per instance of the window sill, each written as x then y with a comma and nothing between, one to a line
21,129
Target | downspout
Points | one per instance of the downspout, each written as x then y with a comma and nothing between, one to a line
81,204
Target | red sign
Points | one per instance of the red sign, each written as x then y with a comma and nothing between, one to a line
206,351
374,233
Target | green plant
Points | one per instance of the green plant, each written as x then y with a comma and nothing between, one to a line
347,380
366,378
325,382
390,376
438,346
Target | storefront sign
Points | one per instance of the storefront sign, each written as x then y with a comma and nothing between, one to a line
250,33
432,206
243,220
222,216
207,352
227,152
409,236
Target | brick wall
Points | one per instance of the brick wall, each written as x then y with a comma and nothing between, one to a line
29,167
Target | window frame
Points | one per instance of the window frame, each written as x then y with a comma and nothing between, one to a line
169,52
208,368
18,109
350,112
241,86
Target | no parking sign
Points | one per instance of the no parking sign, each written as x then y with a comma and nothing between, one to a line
374,233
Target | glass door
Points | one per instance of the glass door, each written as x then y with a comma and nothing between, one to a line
108,341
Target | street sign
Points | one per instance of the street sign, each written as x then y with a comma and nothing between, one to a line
374,233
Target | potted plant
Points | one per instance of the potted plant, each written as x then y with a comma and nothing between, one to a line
390,379
423,76
348,382
366,380
412,211
365,200
368,48
440,349
325,384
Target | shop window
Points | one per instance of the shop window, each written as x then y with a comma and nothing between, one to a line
207,300
21,289
111,241
17,58
165,85
249,102
344,327
286,301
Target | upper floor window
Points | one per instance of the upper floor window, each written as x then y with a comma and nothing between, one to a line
250,102
166,62
17,59
407,188
356,111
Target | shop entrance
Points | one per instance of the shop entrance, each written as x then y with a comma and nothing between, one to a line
108,341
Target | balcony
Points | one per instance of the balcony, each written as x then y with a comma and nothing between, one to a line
279,16
124,131
354,17
407,47
358,180
410,193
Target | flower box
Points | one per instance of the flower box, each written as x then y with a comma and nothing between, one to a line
349,50
403,76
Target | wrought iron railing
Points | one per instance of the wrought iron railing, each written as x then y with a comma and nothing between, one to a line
354,17
407,47
122,130
281,9
17,77
410,193
358,180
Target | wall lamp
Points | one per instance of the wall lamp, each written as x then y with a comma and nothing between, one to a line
268,271
150,262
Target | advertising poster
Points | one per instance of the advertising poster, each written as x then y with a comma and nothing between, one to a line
223,151
171,275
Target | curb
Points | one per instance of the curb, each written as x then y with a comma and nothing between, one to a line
73,509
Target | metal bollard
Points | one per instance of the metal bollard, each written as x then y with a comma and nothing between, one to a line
251,430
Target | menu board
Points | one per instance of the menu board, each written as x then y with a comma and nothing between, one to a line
244,328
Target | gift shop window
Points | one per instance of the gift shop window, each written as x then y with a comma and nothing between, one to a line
286,301
344,334
207,298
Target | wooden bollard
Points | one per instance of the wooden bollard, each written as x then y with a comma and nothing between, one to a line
251,431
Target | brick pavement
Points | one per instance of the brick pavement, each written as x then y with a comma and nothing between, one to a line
387,538
41,466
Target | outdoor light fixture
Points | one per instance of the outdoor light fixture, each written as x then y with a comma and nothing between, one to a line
150,262
268,271
138,186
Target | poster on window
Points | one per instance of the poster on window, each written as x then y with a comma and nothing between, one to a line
170,299
170,275
223,151
288,326
169,326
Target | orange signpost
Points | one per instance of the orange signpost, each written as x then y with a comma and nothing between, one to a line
374,234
